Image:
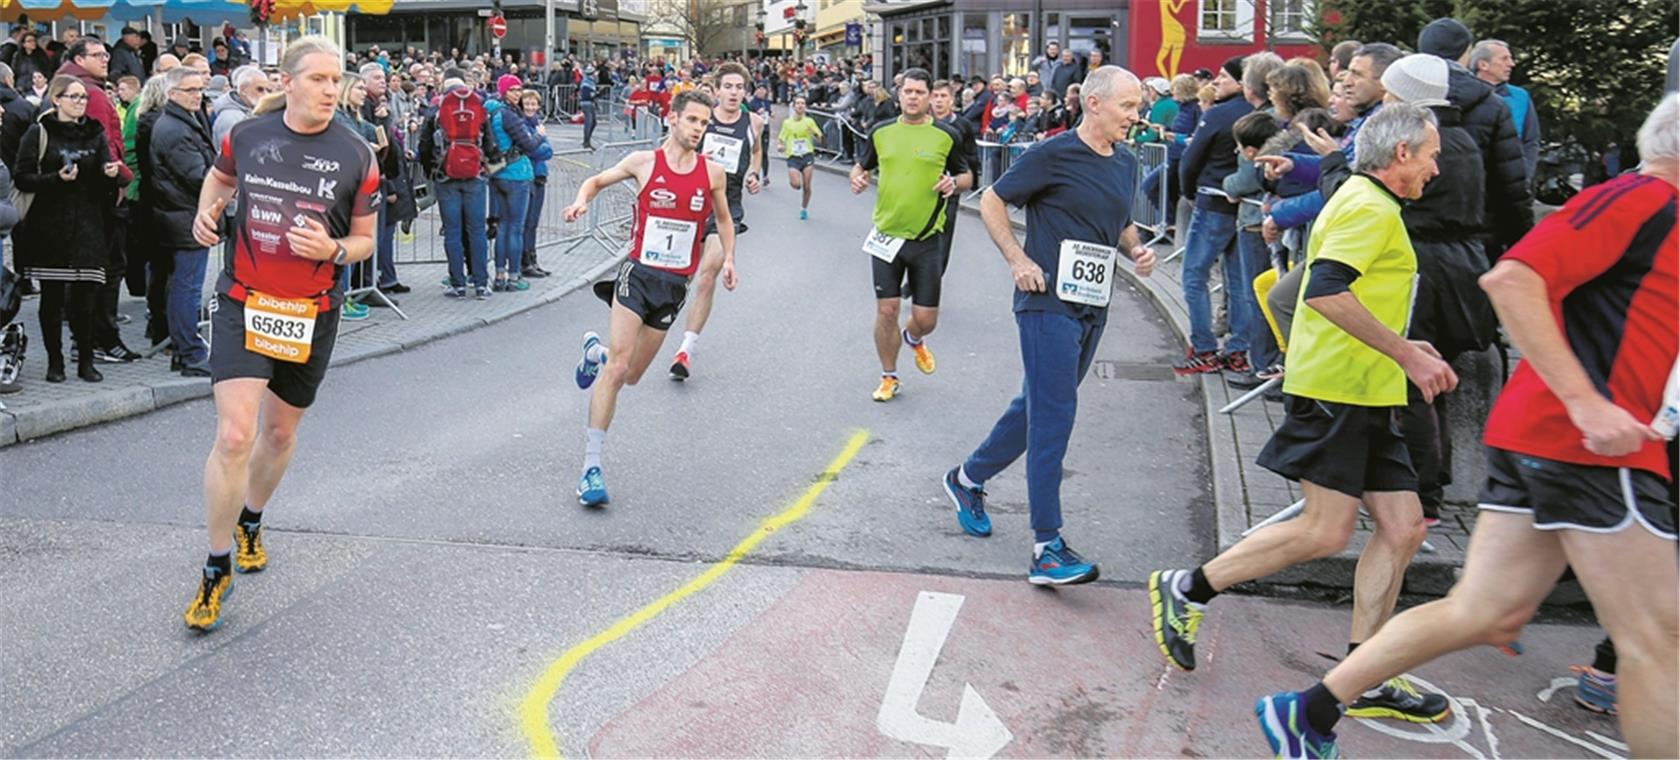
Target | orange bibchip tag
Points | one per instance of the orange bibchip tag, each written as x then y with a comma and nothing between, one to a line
280,328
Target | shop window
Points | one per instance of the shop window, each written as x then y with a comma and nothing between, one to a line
975,33
1017,43
1226,21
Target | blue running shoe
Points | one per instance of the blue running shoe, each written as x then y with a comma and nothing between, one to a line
1283,718
971,506
586,369
1595,689
1060,565
803,215
592,490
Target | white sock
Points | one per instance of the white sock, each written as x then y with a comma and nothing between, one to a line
1038,548
597,354
593,440
690,338
962,479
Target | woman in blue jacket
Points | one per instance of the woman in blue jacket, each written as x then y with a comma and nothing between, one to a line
530,106
510,188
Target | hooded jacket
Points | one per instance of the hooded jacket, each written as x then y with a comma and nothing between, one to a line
236,110
1510,204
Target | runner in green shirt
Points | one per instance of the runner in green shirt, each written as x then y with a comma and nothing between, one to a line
921,163
798,138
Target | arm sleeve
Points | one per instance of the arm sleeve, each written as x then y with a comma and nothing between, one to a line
8,212
1328,278
1190,164
29,177
1332,172
866,157
1510,202
1306,168
1531,142
1296,211
956,159
1244,181
368,196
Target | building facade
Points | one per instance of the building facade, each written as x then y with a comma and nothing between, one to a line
592,28
1149,37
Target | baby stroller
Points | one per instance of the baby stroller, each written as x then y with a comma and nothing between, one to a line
12,340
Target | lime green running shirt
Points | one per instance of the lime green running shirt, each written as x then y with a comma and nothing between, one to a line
911,159
795,130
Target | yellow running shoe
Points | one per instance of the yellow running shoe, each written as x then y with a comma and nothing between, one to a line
888,389
924,358
205,612
248,553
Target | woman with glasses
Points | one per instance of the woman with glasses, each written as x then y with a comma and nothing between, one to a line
352,94
64,164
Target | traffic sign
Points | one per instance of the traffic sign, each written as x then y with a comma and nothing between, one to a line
498,26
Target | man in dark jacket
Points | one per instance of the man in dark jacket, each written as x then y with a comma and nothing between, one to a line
1510,202
1208,158
376,110
125,57
1065,73
16,114
179,154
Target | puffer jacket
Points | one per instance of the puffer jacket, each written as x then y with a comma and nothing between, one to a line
1510,203
1446,226
517,141
180,153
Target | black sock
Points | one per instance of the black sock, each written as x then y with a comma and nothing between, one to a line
1200,592
222,562
247,517
1352,645
1322,709
1604,657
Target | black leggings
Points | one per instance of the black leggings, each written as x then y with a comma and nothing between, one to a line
80,298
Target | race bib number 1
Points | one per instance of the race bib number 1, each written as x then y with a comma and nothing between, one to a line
882,246
668,243
280,328
1083,273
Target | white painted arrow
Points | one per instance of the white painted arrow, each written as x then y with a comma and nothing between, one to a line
977,733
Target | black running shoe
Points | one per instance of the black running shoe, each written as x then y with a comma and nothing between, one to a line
1176,619
1398,699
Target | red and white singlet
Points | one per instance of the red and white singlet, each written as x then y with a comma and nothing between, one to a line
671,210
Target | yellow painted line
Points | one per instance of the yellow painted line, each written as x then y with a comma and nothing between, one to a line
533,711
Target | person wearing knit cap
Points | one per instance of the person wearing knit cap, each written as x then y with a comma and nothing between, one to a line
510,186
505,83
1418,79
1510,199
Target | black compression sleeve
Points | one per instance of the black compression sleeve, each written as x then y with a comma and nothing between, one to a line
1327,278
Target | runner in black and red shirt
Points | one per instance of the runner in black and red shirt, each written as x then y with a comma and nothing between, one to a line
306,192
1576,473
679,190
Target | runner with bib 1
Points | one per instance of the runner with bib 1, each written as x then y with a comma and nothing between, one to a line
680,190
1077,191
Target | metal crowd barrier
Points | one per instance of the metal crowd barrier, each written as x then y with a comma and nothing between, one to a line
839,136
995,159
560,103
1152,211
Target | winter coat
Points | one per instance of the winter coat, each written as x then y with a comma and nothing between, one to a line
1446,225
125,61
66,228
517,141
8,213
1212,153
226,111
1063,76
18,114
1510,203
24,65
144,124
99,109
181,153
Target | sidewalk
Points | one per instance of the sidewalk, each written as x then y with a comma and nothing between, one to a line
44,408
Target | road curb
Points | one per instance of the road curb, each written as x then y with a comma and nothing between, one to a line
19,425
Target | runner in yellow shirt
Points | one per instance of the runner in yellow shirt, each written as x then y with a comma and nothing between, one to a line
798,140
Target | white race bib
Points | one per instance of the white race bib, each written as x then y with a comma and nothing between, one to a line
882,246
800,147
667,243
723,149
1084,273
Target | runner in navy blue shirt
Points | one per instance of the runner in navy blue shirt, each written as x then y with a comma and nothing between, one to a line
1077,191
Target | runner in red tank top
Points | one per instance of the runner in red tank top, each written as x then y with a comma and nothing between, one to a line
679,189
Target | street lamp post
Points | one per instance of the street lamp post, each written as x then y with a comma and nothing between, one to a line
799,31
759,35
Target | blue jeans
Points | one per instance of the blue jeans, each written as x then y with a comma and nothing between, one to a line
186,291
461,203
1214,236
511,196
1256,258
385,252
533,214
1056,353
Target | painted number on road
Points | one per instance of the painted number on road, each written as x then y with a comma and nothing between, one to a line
977,732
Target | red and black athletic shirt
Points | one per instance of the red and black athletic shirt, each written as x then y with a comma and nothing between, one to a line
284,177
680,197
1608,258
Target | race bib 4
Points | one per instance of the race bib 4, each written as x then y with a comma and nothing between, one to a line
723,149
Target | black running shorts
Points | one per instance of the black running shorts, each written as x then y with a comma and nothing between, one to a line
736,211
801,163
1564,496
653,295
1345,448
295,384
922,262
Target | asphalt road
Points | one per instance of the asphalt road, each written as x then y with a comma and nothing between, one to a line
434,589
